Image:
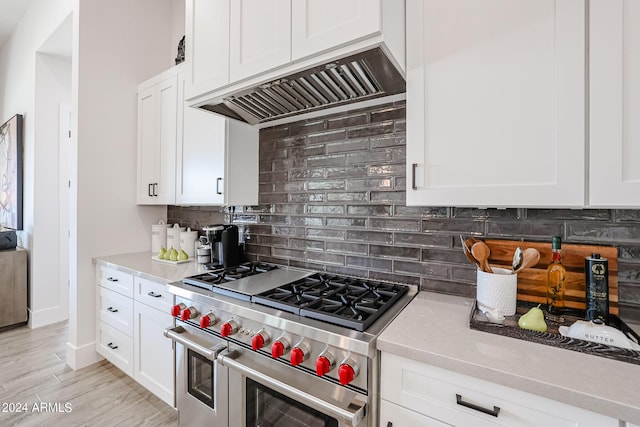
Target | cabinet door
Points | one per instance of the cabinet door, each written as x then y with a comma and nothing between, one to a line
496,103
260,36
157,127
153,355
318,25
392,415
614,85
207,45
241,165
201,154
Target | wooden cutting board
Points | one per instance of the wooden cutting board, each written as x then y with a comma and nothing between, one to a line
532,282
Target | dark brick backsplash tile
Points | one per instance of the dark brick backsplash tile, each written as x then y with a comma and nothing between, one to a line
627,215
422,240
369,263
332,197
370,130
449,287
369,184
344,122
347,222
348,197
394,224
395,278
449,226
388,196
569,214
306,244
377,156
347,247
369,236
350,145
325,233
394,252
326,209
535,230
599,232
325,257
422,268
369,210
328,136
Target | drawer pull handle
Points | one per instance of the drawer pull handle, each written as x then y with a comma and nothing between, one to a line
111,279
154,295
112,346
493,413
111,309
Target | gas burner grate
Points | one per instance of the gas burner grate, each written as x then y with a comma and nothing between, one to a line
210,279
345,301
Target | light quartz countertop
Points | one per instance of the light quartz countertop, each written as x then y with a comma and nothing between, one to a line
434,329
142,264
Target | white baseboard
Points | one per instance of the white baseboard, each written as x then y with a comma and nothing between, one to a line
48,316
82,356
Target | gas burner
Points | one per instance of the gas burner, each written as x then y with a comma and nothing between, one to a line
211,279
345,301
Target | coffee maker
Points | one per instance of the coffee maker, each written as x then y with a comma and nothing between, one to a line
223,241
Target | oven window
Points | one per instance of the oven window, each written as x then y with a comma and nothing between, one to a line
200,378
266,408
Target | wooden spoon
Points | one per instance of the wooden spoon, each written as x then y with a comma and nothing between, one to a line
530,257
466,247
481,252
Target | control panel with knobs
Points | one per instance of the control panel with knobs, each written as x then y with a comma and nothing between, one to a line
177,309
347,371
325,363
279,347
228,328
260,339
208,320
299,353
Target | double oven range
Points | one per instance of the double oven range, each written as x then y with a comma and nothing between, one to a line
266,345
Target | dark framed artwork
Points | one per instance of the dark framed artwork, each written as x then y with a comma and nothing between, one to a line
11,173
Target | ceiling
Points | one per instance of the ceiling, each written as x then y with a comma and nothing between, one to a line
12,12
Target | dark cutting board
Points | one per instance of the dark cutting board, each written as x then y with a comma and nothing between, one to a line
532,282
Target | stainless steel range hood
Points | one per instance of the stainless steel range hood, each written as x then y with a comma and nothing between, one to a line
359,77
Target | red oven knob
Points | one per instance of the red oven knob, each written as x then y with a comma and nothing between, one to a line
229,327
347,371
260,340
176,309
299,354
279,347
325,363
188,313
207,320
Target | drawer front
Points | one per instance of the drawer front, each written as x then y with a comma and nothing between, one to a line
153,294
116,347
392,415
115,280
458,399
115,310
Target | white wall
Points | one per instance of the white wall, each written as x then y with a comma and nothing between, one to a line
115,51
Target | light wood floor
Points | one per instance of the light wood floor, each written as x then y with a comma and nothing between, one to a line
37,388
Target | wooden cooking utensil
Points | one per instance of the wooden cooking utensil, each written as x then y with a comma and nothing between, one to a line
530,257
466,248
481,252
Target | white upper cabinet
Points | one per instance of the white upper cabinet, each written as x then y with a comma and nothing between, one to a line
496,103
207,45
157,133
260,36
320,25
614,85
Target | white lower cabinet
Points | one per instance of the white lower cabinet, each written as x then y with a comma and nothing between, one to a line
132,313
153,353
416,394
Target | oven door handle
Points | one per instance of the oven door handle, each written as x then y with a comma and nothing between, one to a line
180,335
352,415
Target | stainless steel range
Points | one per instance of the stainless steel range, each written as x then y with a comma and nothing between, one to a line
262,345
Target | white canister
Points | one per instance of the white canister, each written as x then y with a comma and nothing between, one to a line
188,241
498,290
173,236
158,236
